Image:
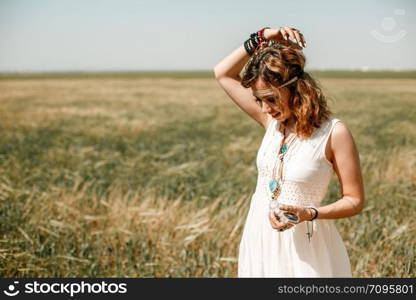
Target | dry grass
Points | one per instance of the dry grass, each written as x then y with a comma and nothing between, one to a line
153,177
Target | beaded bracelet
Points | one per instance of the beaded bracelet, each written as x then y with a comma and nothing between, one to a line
260,35
255,41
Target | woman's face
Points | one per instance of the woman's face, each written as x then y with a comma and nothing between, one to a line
277,108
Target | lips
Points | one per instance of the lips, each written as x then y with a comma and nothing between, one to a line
276,115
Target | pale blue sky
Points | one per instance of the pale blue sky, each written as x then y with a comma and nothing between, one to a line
69,35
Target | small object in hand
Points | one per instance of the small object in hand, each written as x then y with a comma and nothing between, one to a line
286,217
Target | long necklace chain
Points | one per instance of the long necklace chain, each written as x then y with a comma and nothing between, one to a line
276,185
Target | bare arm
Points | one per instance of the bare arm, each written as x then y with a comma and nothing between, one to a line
232,64
346,164
227,73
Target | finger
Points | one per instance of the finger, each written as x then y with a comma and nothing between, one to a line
298,38
292,210
283,32
280,225
274,220
285,228
277,219
288,208
303,39
275,223
293,43
291,34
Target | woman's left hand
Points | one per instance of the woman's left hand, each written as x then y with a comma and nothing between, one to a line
287,36
303,213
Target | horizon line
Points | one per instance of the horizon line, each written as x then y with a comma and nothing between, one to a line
193,70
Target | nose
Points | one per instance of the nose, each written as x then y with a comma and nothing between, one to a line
266,108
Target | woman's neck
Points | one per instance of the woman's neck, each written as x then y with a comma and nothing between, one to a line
290,127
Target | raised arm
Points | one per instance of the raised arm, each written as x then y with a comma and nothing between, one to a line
227,73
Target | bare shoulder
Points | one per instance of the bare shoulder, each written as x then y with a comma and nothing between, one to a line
341,135
340,140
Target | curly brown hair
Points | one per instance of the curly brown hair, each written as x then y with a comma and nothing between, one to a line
275,64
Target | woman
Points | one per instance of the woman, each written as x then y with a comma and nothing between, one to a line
287,232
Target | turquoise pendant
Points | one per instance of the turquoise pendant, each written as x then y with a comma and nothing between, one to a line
273,184
283,149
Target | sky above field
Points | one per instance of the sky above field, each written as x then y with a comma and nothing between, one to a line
103,35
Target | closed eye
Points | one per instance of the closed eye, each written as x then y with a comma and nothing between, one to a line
270,100
259,102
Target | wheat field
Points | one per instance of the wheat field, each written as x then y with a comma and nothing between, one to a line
151,176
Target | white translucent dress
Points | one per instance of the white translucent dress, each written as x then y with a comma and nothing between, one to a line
266,252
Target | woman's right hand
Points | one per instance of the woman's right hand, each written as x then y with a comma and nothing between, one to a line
276,224
282,35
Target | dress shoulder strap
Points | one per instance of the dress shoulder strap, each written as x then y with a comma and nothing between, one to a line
326,133
329,127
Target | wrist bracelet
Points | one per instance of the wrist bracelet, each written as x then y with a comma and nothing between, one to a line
251,44
316,213
248,47
260,35
255,41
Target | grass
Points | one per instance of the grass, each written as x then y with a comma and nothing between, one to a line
141,176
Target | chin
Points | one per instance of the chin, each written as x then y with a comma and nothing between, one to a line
283,118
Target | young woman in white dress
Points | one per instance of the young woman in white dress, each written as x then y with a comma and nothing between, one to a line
302,147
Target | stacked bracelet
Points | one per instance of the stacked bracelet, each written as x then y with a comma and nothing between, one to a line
255,41
249,47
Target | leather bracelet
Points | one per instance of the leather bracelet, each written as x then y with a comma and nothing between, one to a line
316,213
254,40
248,47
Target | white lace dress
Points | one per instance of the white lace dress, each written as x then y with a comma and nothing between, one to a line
266,252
